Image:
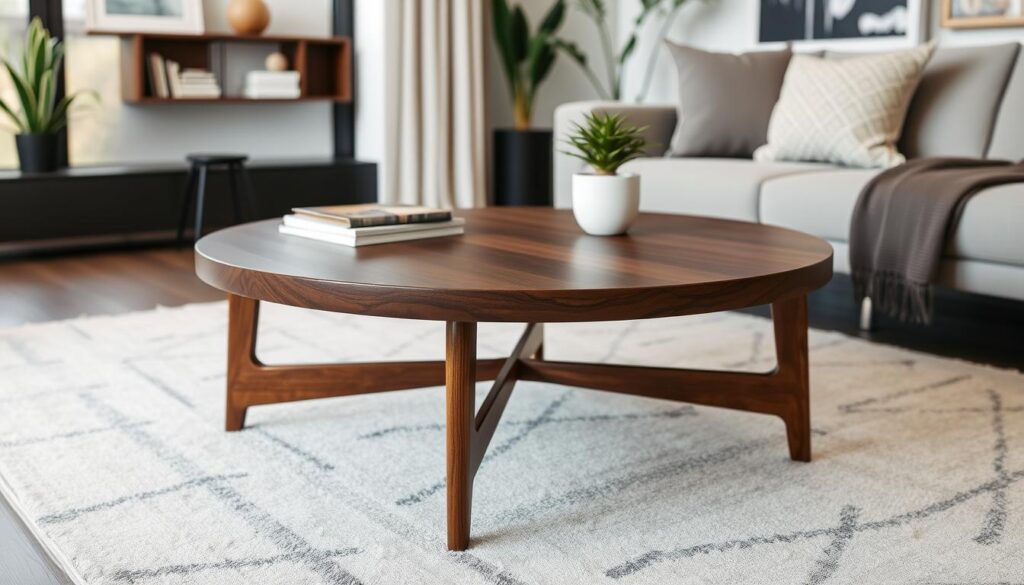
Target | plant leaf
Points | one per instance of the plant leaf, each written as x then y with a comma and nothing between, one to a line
554,18
542,57
520,34
502,36
14,117
25,95
627,49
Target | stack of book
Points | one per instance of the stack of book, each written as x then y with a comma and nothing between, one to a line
272,85
168,79
365,225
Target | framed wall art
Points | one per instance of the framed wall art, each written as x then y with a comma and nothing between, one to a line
982,13
842,24
153,16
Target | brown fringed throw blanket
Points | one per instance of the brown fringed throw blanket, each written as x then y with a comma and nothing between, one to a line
901,225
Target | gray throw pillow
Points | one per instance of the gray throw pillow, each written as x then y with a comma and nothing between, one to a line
725,100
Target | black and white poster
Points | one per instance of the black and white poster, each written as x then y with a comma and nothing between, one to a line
824,22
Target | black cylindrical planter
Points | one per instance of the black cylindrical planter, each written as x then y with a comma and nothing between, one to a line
522,167
37,153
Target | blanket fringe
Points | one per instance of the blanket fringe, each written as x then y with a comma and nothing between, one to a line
895,296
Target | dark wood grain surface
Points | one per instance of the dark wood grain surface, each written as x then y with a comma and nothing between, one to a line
525,265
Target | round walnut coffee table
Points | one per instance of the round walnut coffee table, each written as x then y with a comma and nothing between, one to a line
533,266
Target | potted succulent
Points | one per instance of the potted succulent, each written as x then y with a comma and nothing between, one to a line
522,155
604,202
37,115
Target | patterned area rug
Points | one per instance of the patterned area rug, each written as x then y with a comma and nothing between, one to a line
111,447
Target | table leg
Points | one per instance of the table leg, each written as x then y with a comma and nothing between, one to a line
460,376
243,316
789,318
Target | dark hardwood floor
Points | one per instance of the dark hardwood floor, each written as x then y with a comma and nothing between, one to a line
970,327
64,287
976,328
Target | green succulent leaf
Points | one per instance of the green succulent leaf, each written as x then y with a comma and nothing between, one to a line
606,142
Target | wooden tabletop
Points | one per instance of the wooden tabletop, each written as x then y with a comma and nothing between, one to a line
525,265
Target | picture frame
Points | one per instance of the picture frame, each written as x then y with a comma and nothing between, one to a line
150,16
811,32
1012,15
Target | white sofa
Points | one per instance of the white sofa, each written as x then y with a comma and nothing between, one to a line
970,103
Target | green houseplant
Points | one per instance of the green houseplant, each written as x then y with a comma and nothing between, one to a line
605,202
36,114
615,60
526,58
522,155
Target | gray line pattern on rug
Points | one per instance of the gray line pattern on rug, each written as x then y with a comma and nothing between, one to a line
493,452
74,513
158,383
133,576
632,479
313,459
587,418
68,435
282,536
828,564
995,519
654,557
931,386
370,508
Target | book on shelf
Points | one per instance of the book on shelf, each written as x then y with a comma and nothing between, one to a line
272,85
270,94
158,76
372,214
367,236
272,77
190,83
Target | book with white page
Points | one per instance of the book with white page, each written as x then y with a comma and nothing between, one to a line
330,227
355,239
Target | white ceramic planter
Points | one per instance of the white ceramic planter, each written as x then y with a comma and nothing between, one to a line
605,205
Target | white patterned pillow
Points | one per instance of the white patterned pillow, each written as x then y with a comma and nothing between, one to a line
845,111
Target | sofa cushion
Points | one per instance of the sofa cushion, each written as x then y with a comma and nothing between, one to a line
748,83
848,111
990,228
717,187
1007,137
955,106
822,204
819,204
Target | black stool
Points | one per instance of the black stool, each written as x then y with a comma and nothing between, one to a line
195,189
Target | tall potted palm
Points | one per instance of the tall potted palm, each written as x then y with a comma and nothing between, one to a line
522,154
36,113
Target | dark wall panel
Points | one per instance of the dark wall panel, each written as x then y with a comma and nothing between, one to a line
88,203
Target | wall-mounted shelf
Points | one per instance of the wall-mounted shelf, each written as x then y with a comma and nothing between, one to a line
324,64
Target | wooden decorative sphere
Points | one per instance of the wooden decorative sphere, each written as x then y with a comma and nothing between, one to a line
248,17
276,62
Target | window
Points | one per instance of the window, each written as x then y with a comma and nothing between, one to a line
93,63
13,24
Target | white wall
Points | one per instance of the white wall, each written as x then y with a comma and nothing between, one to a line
114,132
730,26
376,48
566,82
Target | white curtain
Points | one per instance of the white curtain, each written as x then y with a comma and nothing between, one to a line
437,148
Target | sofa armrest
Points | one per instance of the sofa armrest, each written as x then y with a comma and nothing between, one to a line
661,120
